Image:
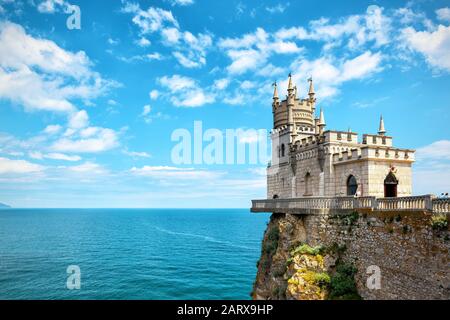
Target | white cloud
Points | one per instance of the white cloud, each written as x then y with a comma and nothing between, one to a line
252,50
166,172
135,154
443,14
78,120
171,35
61,156
357,30
143,42
177,83
279,8
147,110
181,2
150,20
439,150
432,168
38,74
52,129
195,98
8,166
221,84
188,49
54,156
91,140
329,73
52,6
154,94
434,45
88,167
185,91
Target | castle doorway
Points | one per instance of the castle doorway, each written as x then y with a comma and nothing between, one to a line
352,185
390,185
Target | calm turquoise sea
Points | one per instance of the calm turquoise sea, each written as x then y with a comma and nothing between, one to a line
129,254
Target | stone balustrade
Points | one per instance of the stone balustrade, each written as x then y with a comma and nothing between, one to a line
311,204
441,205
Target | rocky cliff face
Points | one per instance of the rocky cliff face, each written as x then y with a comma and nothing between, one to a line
332,255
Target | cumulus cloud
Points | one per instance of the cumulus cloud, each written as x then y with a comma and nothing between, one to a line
188,49
252,50
433,45
443,14
8,166
279,8
136,154
181,2
432,168
54,156
330,73
37,73
52,129
167,172
185,92
439,150
52,6
89,140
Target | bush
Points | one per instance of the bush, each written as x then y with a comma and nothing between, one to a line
322,279
271,243
342,283
306,249
439,222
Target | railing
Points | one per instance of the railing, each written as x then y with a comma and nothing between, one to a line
427,203
441,205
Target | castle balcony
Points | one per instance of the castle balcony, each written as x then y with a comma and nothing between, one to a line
316,205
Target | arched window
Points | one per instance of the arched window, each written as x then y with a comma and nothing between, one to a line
275,196
390,185
282,150
308,184
352,185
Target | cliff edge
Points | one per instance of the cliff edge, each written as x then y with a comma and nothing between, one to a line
355,255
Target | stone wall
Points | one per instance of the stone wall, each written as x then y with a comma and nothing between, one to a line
412,256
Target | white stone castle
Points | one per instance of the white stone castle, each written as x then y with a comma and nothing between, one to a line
308,160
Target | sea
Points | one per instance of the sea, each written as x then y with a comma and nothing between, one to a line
129,253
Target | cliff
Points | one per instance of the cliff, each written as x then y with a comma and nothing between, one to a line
355,255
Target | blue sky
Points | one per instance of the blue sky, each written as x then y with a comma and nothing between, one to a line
86,116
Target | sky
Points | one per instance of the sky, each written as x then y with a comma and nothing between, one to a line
93,94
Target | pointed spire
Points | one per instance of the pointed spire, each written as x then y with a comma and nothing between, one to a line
381,130
295,92
322,118
290,85
321,123
275,91
311,87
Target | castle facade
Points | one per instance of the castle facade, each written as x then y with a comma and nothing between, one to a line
308,160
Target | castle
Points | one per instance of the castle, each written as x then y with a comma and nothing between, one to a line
328,189
308,160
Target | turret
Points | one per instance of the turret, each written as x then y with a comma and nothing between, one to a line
290,106
311,92
275,95
381,130
321,122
